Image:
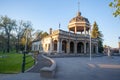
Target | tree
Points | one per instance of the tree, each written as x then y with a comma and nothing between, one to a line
2,43
116,6
44,34
7,25
27,35
38,35
2,40
95,32
19,29
98,35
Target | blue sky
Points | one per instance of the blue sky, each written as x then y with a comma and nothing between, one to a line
49,13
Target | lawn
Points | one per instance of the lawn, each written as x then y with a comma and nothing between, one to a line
12,62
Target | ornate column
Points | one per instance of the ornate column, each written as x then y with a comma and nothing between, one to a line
97,48
68,47
75,47
85,47
84,29
51,45
58,46
75,29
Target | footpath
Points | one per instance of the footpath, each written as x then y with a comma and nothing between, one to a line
76,68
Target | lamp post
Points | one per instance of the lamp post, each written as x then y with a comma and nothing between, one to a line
90,43
24,53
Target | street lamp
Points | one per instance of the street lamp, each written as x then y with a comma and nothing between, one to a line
24,53
26,35
90,42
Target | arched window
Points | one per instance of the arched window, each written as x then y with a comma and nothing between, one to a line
55,45
64,46
80,47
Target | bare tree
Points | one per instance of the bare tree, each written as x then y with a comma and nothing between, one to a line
19,30
7,25
27,34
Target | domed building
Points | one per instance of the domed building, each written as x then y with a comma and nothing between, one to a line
79,24
74,41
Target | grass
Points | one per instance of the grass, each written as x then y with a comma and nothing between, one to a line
12,63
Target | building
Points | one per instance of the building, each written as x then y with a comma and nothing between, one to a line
74,41
36,46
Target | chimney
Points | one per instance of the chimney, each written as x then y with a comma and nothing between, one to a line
50,31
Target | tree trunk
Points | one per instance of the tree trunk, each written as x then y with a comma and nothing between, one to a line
18,45
8,43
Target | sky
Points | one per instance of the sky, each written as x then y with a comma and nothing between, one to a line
45,14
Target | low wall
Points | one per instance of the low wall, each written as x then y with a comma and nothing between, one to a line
48,71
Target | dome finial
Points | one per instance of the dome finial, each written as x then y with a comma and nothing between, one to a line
79,13
78,6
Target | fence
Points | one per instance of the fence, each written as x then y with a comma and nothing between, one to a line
24,63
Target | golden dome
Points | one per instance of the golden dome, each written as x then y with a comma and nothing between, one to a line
79,22
79,18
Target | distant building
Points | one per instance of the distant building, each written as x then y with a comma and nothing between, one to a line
36,45
74,41
113,51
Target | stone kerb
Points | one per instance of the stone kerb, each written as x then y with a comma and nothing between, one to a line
48,72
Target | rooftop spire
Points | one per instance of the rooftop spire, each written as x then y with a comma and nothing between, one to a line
78,13
78,6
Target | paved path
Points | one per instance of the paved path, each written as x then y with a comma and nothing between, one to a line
39,65
78,68
81,68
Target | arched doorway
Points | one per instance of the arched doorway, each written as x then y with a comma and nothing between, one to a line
80,47
64,46
55,45
87,47
71,47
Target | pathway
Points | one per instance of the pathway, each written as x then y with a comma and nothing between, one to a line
78,68
81,68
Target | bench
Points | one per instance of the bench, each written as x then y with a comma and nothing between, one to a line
48,72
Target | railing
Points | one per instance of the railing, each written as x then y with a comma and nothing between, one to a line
70,34
24,63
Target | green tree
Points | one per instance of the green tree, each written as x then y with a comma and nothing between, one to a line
19,29
44,34
95,33
38,35
116,6
27,35
2,40
8,25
